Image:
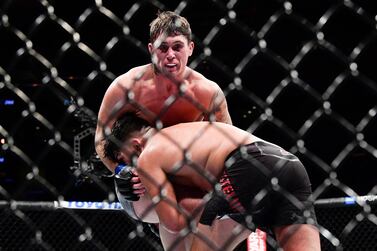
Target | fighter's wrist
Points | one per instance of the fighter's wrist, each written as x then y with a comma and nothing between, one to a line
119,168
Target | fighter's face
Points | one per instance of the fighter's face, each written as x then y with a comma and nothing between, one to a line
170,54
125,154
132,148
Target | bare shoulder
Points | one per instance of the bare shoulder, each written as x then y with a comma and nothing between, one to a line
128,79
116,91
161,150
200,81
150,157
209,91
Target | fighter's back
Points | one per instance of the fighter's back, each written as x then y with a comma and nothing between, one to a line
189,150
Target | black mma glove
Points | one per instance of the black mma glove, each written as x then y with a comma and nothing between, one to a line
123,183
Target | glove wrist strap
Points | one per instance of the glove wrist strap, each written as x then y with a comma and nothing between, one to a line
119,168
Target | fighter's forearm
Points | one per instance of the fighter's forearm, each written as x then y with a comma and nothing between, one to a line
141,210
192,205
144,210
99,147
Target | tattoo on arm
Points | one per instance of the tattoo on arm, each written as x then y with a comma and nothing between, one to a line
220,108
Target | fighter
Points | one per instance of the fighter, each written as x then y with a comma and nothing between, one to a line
258,183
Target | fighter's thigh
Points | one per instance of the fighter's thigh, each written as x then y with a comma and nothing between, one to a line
303,237
174,241
228,234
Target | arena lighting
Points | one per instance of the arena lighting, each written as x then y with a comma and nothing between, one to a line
67,102
9,102
347,201
291,60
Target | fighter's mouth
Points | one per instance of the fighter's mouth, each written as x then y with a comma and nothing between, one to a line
171,65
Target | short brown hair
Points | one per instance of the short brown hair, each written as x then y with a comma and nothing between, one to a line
169,23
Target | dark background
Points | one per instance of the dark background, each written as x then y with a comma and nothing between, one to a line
301,74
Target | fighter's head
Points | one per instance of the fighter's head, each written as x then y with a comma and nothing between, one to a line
170,44
125,138
168,24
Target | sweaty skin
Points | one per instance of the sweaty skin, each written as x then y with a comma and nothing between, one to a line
154,97
186,180
194,153
166,90
206,144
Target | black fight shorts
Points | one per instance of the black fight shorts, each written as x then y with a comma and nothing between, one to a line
262,186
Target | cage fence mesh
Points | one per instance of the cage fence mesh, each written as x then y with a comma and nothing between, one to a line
300,74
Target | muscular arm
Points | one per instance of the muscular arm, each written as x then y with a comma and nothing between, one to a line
222,113
145,211
113,103
155,180
219,106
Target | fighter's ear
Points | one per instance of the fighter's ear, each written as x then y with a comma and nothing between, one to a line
150,48
136,145
191,47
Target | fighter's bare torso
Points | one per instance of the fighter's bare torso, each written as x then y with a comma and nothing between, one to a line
171,102
206,144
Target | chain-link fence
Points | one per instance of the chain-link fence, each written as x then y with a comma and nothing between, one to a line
300,74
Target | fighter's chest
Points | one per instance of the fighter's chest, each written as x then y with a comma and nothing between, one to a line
173,107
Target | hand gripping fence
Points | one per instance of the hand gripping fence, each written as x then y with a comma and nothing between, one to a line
300,74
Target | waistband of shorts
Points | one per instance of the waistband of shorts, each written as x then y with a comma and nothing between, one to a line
252,146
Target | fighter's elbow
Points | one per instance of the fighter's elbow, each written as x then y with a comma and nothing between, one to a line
175,224
98,138
99,146
174,227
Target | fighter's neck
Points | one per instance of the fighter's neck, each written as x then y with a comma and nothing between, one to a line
147,134
168,78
